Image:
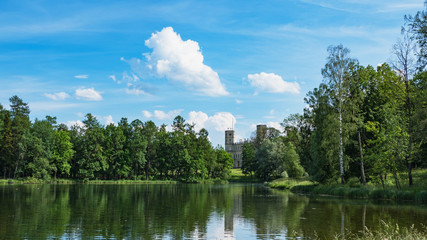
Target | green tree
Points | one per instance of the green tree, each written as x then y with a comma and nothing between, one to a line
149,134
420,119
337,66
7,149
298,131
20,123
323,147
417,25
62,153
93,161
224,163
249,164
114,152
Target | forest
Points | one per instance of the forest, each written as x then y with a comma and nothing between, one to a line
362,122
44,149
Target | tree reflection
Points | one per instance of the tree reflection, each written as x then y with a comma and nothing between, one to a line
180,211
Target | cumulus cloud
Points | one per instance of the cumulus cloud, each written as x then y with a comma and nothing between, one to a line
84,76
88,94
57,96
272,83
219,122
108,120
178,60
161,115
276,125
146,114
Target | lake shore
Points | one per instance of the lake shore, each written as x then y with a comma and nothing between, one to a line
354,189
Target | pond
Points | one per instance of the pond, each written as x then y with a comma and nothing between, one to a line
186,211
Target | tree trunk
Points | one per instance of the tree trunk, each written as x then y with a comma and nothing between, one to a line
396,180
408,159
362,168
341,150
147,167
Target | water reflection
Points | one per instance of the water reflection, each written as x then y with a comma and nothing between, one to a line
178,211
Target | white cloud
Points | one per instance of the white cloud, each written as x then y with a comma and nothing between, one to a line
108,120
74,123
198,118
133,84
276,125
57,96
161,115
114,78
84,76
136,91
270,82
169,115
238,101
146,114
88,94
180,61
218,122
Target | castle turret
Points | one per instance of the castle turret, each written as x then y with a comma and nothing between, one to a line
229,139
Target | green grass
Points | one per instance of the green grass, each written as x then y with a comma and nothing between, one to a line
388,231
289,183
73,181
238,176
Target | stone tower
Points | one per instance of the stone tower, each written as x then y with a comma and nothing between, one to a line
229,139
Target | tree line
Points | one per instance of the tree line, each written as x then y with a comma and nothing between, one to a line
45,149
362,121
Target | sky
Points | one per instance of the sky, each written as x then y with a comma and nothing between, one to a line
219,64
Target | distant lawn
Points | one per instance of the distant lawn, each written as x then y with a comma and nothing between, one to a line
238,176
289,183
75,181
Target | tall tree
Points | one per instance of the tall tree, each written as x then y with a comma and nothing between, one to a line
417,25
7,148
323,147
337,66
403,51
149,132
20,123
93,161
249,164
62,153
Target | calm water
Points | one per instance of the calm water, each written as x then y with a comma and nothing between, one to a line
178,211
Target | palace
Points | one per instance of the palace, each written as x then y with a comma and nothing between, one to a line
235,148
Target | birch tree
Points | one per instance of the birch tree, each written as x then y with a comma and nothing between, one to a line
337,66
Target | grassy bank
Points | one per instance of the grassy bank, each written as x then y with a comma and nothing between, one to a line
238,177
72,181
353,189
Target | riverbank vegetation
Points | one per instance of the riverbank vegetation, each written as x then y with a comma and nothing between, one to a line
354,189
44,150
388,231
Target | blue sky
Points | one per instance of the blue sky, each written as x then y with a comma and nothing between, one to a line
216,63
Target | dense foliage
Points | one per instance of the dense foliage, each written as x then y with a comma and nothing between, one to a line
44,149
364,122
